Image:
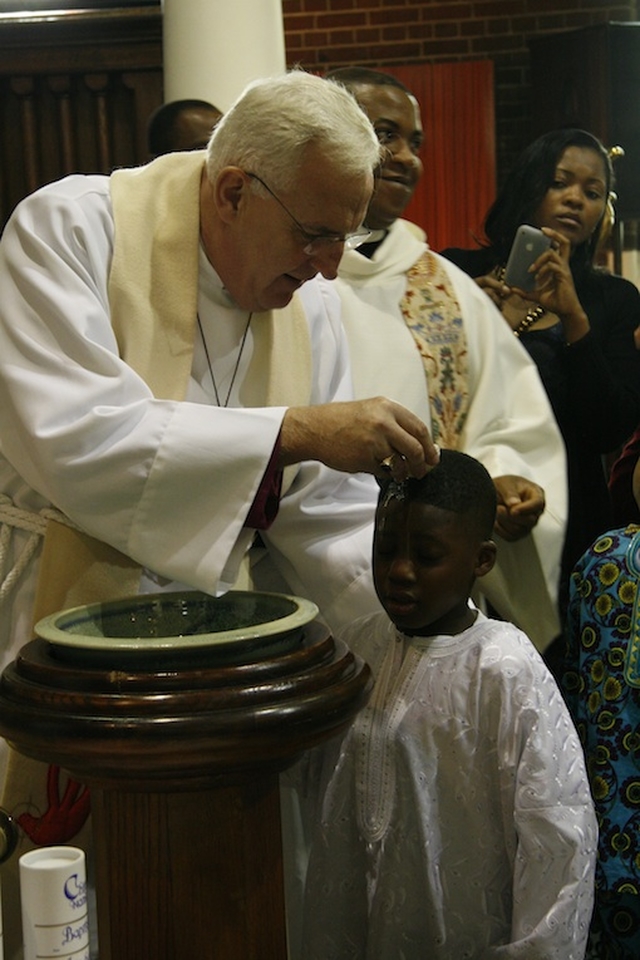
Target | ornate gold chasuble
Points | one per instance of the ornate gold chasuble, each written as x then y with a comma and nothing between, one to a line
432,314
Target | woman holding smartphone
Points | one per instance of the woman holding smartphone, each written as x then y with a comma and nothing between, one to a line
578,320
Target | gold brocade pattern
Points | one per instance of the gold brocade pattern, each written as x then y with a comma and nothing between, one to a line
432,313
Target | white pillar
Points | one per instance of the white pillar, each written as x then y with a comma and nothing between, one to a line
213,48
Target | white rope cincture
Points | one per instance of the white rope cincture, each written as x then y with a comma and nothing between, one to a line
14,518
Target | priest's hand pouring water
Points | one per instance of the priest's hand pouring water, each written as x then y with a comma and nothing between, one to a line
377,436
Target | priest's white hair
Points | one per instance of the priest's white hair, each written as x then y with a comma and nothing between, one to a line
273,122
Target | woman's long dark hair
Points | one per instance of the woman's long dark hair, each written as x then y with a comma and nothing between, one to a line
527,184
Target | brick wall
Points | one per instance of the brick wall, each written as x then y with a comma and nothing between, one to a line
321,34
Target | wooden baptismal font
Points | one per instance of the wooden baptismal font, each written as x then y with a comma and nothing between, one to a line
180,711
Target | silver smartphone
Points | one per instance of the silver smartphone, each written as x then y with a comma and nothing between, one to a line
528,244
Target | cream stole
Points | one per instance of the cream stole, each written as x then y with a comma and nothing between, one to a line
432,314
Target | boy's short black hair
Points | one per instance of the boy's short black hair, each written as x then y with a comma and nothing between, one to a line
459,483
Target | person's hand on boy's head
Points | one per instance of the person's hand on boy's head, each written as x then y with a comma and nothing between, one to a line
521,503
376,435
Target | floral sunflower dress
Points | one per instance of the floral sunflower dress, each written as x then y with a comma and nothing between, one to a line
602,688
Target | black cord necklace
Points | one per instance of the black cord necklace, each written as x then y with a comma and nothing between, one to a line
235,369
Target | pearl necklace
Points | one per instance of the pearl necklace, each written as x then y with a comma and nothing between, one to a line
235,369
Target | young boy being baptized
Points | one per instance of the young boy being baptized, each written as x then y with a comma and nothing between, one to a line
454,817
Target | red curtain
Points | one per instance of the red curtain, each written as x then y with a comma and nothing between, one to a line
459,180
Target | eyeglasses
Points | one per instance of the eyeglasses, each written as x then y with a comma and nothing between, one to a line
314,240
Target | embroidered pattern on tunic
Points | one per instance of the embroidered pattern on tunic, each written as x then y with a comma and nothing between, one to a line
432,314
376,727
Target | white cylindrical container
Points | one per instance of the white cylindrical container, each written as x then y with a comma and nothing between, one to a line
212,48
53,894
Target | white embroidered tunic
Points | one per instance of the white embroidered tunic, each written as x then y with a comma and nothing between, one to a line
454,818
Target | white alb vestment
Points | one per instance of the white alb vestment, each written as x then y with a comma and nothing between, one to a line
166,483
510,427
455,820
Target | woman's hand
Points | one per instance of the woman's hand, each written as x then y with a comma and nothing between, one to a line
495,289
555,289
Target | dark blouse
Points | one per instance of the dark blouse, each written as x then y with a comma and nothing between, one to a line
594,389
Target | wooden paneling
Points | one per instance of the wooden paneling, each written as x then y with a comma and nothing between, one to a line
590,78
76,89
